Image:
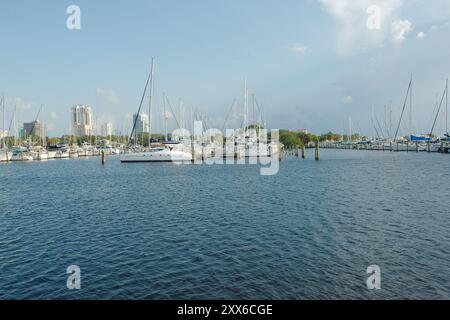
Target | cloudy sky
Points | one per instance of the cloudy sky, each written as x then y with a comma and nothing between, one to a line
311,64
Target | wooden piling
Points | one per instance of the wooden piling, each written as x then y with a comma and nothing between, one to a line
103,157
280,152
193,153
317,151
303,152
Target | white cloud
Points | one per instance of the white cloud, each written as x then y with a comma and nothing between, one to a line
298,48
352,18
19,102
400,29
107,95
421,35
347,100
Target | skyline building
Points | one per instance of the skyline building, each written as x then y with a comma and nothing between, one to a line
35,128
107,129
81,120
142,123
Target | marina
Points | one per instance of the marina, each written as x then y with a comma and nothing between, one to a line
215,159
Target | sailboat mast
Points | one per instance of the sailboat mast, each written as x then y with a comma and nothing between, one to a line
253,111
3,122
245,108
446,107
410,106
165,116
350,128
150,105
15,126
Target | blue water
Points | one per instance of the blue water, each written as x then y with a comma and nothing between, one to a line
162,231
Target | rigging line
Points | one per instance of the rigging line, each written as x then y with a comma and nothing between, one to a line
437,114
403,110
379,125
173,113
376,131
140,107
37,117
228,115
259,109
12,117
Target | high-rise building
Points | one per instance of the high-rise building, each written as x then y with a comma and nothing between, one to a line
142,123
35,128
107,129
81,119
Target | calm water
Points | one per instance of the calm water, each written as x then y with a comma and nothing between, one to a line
159,231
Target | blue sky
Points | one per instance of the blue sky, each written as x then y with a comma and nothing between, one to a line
311,64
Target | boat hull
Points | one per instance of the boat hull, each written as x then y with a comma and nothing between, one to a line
163,156
5,156
21,157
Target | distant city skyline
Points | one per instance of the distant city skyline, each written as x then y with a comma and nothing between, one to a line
311,64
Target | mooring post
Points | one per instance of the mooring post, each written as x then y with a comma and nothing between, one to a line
193,152
280,152
103,157
317,151
303,152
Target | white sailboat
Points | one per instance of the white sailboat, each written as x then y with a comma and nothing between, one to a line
39,154
166,153
160,154
62,154
250,142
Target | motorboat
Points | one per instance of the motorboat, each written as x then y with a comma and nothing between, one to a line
21,154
